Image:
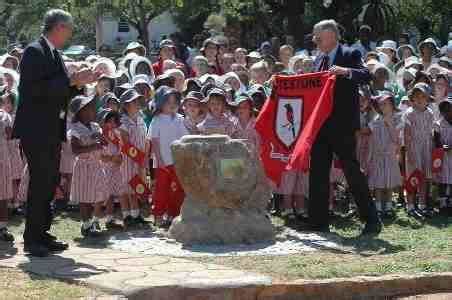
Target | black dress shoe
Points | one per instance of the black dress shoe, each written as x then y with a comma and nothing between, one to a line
56,246
306,226
36,250
48,237
372,229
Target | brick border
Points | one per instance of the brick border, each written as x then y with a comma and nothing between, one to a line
363,287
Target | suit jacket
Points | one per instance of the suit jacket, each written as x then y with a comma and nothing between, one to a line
345,114
45,92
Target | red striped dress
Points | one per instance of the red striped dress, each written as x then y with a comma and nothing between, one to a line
89,182
445,132
23,186
420,147
113,172
67,157
136,129
6,181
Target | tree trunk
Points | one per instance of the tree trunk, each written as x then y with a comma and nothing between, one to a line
295,14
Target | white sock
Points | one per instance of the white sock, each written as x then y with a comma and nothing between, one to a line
134,213
422,206
410,206
3,225
86,224
108,218
442,202
95,219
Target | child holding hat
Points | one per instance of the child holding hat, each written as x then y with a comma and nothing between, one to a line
418,128
166,127
89,180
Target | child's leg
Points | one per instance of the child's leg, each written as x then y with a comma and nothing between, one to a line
332,196
124,202
300,204
109,210
423,195
85,215
177,195
388,200
442,196
379,198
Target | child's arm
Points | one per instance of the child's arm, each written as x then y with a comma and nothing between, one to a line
78,148
156,150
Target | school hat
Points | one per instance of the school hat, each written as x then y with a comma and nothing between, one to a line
194,96
429,41
383,95
163,79
141,78
411,61
162,94
207,42
108,97
254,54
79,102
167,43
215,92
242,98
206,88
400,49
422,87
133,46
409,73
446,60
128,96
195,82
388,44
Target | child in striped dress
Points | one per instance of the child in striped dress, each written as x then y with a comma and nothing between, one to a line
443,139
217,121
193,112
383,166
112,159
166,127
67,165
132,131
362,137
246,122
17,165
89,179
418,129
6,189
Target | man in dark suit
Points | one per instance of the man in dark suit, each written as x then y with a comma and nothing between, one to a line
45,90
338,133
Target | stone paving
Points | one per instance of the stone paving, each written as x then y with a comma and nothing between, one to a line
288,242
125,273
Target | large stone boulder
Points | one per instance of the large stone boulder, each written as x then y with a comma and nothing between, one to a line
226,192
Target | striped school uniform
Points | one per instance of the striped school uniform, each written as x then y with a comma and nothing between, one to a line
6,181
248,133
445,131
23,186
384,171
191,125
362,141
89,182
17,164
136,130
67,157
223,125
113,172
420,147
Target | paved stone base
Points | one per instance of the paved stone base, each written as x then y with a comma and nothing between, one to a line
287,242
132,275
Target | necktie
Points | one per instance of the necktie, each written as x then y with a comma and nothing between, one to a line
324,65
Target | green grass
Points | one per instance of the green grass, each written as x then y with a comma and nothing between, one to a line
405,246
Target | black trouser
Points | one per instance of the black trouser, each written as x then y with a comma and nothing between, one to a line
343,144
43,164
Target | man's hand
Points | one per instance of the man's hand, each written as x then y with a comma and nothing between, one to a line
83,77
336,70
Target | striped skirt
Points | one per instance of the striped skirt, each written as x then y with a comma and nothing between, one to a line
67,159
6,182
89,182
17,164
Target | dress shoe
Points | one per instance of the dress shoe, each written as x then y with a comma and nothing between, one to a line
56,246
48,237
306,226
372,228
36,250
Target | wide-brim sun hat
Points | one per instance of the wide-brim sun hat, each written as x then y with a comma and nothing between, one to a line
128,96
79,102
193,96
111,67
215,92
109,97
388,44
423,88
429,41
162,94
412,61
400,49
133,46
136,61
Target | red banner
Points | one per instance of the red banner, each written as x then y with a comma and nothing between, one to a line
134,153
139,187
437,159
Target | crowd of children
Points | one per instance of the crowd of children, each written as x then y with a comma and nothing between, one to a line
120,131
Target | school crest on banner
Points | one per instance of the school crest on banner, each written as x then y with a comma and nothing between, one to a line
289,120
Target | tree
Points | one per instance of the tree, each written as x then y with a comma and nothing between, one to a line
138,13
